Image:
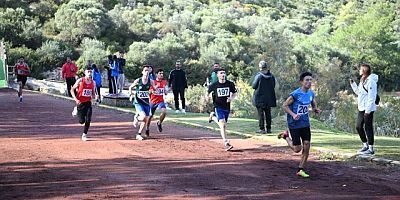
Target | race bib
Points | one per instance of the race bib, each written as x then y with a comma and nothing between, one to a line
302,109
87,92
143,94
159,91
223,92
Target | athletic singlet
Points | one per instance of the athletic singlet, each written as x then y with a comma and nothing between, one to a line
158,95
302,101
142,95
22,69
85,91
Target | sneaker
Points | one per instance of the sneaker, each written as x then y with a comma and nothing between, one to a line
283,135
75,112
139,137
210,119
159,126
177,111
302,173
364,148
228,146
84,137
368,152
135,121
183,111
261,131
20,99
147,134
269,131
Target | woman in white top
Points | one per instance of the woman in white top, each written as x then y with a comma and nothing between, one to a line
366,92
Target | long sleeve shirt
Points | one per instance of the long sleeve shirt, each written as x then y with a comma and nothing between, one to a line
69,70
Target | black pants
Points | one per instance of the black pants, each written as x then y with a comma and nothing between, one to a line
114,86
109,86
70,82
364,127
264,115
179,92
85,115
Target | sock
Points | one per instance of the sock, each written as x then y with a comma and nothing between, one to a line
139,133
371,147
300,168
365,144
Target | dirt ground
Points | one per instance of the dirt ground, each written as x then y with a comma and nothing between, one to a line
42,157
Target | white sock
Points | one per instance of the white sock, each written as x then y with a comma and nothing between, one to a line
371,147
365,144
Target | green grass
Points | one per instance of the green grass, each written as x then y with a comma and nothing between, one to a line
323,137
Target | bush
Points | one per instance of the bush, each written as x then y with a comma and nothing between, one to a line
243,106
31,59
197,99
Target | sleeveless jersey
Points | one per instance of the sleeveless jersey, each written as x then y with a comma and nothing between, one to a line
142,95
22,69
85,91
157,95
302,101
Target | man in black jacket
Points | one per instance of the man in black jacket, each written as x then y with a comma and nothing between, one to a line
178,82
264,95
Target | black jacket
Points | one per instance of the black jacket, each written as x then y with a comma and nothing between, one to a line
264,90
177,78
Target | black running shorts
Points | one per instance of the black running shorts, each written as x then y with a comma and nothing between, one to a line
300,135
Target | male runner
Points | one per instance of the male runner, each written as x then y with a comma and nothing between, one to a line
223,92
296,107
86,92
22,72
157,99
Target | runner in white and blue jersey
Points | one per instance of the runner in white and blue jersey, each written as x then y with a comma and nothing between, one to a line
297,106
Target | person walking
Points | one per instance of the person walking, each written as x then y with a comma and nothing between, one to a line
178,82
85,93
296,107
121,71
157,99
68,72
22,72
223,92
264,96
366,92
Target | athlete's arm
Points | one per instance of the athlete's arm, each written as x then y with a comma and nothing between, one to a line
231,97
314,106
134,84
289,101
76,85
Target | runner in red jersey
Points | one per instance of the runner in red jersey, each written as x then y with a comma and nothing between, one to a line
157,98
86,92
22,72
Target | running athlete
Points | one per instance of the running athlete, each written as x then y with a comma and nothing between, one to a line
223,92
86,92
142,101
22,72
157,99
296,107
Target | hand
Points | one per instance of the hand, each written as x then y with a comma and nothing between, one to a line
366,114
229,99
131,98
317,110
296,117
77,101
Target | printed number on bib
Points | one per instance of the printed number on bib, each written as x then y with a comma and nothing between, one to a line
159,91
302,109
223,92
87,92
143,94
21,72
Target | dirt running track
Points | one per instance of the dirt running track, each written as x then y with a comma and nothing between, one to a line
42,157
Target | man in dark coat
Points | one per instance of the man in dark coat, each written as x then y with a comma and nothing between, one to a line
178,82
264,96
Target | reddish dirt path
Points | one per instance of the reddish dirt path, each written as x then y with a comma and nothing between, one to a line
42,157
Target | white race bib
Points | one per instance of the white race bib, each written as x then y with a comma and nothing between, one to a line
159,91
87,92
223,92
143,94
302,109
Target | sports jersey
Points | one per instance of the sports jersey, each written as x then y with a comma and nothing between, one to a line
22,69
85,91
221,92
142,95
157,95
300,106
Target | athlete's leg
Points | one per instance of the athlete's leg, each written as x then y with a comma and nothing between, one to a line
163,114
304,154
222,127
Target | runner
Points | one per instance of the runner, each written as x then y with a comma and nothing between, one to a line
223,92
296,107
22,72
86,91
157,100
141,101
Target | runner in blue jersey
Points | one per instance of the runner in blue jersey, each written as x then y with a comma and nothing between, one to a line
297,106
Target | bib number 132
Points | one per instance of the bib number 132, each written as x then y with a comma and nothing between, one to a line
302,109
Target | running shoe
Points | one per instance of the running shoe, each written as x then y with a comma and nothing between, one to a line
269,131
135,121
261,131
75,112
364,148
147,134
20,99
368,152
228,146
177,111
302,173
210,119
139,137
84,137
159,126
283,135
183,111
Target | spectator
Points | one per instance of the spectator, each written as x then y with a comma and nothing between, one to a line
68,72
178,82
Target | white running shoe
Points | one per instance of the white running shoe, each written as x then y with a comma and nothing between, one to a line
84,137
135,121
75,112
177,111
139,137
183,111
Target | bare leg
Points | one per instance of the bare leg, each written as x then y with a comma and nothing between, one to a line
305,153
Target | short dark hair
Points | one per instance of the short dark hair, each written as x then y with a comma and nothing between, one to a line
304,74
216,63
159,70
144,66
220,69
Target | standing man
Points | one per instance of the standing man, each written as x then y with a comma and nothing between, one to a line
214,77
296,107
114,75
22,71
157,99
141,101
68,72
223,92
86,92
264,96
121,70
97,78
178,82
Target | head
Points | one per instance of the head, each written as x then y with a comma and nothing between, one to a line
68,60
178,64
221,74
115,57
217,65
88,72
110,57
306,80
21,59
151,69
121,54
365,69
160,74
263,66
94,66
145,71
